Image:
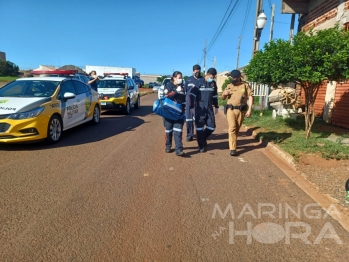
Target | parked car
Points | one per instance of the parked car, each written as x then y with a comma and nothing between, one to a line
162,87
156,86
118,92
39,108
151,84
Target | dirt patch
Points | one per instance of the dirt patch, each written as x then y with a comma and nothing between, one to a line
330,176
3,83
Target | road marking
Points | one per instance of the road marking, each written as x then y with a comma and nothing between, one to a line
242,160
203,199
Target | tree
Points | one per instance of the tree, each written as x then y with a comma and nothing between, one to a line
160,79
314,57
8,68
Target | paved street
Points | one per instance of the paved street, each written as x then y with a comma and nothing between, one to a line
110,193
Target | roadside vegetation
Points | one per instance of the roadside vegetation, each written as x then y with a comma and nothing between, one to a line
314,57
7,78
288,134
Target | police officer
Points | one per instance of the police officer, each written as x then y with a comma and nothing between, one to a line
189,84
237,93
203,97
175,91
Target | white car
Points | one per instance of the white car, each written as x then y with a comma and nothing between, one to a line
162,87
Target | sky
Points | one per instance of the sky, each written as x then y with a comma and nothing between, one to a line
153,36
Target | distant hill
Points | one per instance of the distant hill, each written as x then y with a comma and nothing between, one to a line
72,67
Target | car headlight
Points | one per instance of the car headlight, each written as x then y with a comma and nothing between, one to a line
119,94
30,114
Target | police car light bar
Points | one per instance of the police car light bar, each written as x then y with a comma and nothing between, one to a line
54,72
119,74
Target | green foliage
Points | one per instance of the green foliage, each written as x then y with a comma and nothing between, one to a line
160,79
8,68
226,82
313,58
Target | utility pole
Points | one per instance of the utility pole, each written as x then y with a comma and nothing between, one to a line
238,57
272,22
214,62
292,28
205,57
255,45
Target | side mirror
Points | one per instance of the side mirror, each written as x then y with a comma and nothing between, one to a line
69,95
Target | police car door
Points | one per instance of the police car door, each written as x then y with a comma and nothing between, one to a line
130,90
69,107
82,91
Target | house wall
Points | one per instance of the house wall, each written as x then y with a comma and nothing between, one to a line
340,114
325,14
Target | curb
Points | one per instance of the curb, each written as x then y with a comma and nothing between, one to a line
272,147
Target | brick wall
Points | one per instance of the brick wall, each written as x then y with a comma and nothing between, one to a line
321,13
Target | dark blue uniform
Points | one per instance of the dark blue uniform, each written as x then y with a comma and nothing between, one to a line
189,84
174,126
203,97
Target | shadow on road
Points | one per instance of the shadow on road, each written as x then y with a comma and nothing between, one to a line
83,134
215,143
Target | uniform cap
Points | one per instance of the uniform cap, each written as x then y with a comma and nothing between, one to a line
235,73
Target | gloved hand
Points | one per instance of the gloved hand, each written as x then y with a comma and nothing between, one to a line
165,91
216,111
179,89
192,111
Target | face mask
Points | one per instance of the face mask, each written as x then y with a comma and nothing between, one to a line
179,81
209,80
197,74
234,81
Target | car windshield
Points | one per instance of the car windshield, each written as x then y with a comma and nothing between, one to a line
29,88
166,81
111,83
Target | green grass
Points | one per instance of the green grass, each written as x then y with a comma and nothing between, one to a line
7,78
289,135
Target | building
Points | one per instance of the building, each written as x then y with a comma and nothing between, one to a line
3,56
333,98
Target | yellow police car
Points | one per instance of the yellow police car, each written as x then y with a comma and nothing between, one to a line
118,92
39,108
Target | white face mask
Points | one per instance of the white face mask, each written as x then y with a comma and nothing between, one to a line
179,81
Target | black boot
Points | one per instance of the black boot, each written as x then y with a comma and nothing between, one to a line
233,153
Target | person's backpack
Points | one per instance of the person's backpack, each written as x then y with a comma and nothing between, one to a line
168,108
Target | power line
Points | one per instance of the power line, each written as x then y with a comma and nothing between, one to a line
246,16
222,27
221,22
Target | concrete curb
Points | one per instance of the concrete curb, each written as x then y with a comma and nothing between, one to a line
272,147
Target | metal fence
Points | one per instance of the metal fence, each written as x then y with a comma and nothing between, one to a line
261,91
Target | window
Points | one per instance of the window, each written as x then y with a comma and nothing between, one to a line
67,87
29,88
130,84
80,87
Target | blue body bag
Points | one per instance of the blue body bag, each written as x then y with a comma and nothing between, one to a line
168,108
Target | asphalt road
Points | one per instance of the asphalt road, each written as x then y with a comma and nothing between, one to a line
110,193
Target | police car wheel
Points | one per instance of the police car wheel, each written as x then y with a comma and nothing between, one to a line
127,108
96,115
54,129
138,103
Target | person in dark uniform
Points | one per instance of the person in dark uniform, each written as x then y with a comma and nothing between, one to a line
93,80
191,81
203,97
237,93
175,91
